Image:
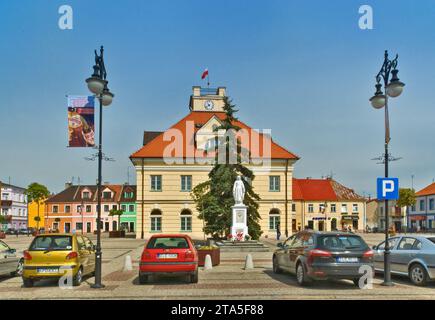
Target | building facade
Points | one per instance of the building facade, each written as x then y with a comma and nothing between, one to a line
128,206
170,164
13,206
75,208
326,205
34,211
422,214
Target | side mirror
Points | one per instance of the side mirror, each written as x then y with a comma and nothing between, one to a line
375,247
12,250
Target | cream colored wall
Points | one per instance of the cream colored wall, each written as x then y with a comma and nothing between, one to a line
171,201
304,216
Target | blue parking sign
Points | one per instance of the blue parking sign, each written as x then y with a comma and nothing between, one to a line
388,188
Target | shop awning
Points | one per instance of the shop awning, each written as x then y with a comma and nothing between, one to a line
417,218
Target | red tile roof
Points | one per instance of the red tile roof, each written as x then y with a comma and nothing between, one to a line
156,147
429,190
322,190
74,193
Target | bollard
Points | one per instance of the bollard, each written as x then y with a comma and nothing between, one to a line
249,263
128,264
207,263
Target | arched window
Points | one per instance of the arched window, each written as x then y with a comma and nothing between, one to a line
156,220
274,219
186,220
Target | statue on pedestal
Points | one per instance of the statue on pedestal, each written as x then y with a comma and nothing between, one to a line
239,191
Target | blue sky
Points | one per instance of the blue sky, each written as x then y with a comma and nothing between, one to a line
302,68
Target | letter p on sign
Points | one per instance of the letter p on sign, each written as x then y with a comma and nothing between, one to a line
388,188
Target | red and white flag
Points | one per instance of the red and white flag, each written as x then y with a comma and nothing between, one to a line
204,74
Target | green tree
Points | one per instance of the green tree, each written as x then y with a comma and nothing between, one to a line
214,197
37,192
407,197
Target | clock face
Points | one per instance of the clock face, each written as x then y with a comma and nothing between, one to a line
209,105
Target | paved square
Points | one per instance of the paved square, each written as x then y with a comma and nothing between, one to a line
227,281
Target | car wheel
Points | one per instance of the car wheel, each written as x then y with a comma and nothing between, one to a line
418,275
19,270
78,278
27,283
143,279
194,277
275,265
301,275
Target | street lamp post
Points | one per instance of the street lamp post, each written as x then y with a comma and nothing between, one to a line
97,84
393,88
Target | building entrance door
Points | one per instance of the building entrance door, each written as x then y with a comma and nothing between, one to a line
106,226
131,226
88,227
321,225
67,227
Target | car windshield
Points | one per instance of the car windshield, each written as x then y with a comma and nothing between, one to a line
51,243
168,243
341,242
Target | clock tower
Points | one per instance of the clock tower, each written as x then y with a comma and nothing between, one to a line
207,99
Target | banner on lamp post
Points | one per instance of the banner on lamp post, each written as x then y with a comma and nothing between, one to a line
81,128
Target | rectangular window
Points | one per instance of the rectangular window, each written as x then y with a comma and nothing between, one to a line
114,207
333,208
310,208
123,207
431,204
86,195
128,195
156,183
55,209
186,183
79,226
273,222
186,223
355,207
106,208
421,205
131,208
67,209
294,207
321,207
274,183
88,208
107,195
79,209
156,224
344,208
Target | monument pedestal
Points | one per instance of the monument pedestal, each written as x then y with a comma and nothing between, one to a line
239,227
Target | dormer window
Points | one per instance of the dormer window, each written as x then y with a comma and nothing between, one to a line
86,195
128,195
107,195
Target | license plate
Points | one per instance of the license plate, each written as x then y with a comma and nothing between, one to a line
167,256
347,259
48,270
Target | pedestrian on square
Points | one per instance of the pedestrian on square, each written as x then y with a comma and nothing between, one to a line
278,231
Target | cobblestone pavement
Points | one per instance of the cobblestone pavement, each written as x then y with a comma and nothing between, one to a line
227,281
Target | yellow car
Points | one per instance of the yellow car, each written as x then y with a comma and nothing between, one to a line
53,255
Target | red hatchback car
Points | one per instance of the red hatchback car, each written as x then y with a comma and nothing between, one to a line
169,254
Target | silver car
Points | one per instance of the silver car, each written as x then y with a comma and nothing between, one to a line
11,263
412,256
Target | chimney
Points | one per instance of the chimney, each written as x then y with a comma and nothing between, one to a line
68,184
196,91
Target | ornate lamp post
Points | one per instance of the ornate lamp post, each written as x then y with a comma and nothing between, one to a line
97,84
393,88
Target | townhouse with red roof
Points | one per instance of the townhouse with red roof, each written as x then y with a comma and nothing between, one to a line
421,216
326,205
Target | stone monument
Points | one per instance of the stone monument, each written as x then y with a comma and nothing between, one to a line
239,227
